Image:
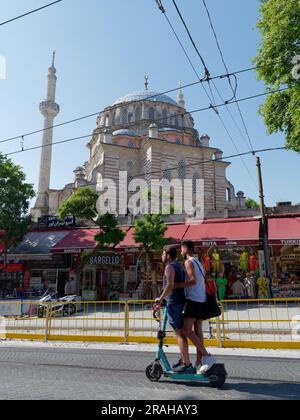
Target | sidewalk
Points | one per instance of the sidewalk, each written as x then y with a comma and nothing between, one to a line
151,348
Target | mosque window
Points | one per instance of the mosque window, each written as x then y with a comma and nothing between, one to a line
138,114
176,121
130,118
152,114
196,177
124,116
131,145
181,169
167,175
165,116
178,141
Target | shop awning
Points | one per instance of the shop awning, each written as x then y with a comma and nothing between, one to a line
76,242
37,243
220,232
284,231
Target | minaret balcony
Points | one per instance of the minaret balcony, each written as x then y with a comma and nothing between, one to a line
49,108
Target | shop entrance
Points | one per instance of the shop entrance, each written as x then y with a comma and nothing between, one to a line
62,278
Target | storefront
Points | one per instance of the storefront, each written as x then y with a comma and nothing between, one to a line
11,279
229,251
284,236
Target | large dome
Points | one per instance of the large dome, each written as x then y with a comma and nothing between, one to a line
145,95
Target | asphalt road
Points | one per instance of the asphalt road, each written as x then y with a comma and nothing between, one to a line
86,374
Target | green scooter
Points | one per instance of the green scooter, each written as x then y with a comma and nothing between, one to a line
215,377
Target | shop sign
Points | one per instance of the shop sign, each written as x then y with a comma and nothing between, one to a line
76,250
111,260
290,242
209,243
53,221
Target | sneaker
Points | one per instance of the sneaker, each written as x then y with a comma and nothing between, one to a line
198,368
178,364
185,369
207,363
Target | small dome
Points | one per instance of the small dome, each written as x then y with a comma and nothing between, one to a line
125,132
164,129
144,96
153,126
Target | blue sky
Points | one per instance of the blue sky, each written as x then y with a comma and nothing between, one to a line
104,49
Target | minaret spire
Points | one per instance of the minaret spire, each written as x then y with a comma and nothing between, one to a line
180,98
49,109
146,82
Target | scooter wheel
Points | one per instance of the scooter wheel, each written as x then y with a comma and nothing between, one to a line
218,382
154,372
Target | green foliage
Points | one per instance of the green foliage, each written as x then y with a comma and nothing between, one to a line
149,232
251,204
110,234
81,204
279,25
15,196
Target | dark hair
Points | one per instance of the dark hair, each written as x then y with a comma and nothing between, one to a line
189,244
171,251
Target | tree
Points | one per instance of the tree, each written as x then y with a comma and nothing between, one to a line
251,204
150,235
83,204
278,58
15,196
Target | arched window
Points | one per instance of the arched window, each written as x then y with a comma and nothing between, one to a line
176,121
167,175
130,118
178,141
124,116
131,145
196,177
151,114
130,167
165,116
181,169
138,114
113,119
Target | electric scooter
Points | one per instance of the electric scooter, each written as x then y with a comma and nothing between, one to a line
215,377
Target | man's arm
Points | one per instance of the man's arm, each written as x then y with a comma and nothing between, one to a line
170,279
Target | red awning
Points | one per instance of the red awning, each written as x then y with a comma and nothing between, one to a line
225,232
284,231
12,268
76,242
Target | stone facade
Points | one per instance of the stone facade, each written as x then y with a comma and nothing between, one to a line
151,134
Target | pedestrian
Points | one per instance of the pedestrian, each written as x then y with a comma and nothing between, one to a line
174,275
194,311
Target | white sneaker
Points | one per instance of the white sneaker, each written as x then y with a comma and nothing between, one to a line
198,368
207,363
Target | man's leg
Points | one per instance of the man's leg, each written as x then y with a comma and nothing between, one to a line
189,333
183,346
199,332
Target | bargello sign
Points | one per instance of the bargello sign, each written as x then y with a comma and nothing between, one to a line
111,260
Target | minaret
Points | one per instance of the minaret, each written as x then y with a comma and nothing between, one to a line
180,98
49,109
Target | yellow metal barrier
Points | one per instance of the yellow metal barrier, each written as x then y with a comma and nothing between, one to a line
269,323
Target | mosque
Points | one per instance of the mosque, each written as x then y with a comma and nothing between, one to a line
142,133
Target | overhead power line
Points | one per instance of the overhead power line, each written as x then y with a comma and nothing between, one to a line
30,12
157,120
83,117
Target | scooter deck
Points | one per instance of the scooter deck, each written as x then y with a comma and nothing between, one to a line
186,377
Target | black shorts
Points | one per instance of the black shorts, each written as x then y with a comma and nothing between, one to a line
194,310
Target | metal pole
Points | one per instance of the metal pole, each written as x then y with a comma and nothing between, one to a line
264,219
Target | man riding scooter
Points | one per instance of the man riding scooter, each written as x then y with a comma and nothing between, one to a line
174,294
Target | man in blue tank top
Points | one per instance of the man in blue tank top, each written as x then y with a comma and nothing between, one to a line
175,297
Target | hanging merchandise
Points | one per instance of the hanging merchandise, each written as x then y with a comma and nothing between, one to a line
263,290
207,263
250,285
222,283
216,261
253,263
244,261
238,290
